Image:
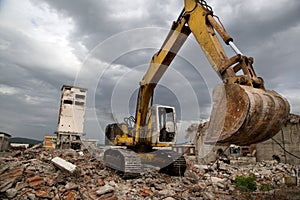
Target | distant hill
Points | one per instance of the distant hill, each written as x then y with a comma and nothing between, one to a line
24,140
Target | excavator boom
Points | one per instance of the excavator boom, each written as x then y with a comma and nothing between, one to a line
159,64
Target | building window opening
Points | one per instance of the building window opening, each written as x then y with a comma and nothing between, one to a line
68,102
79,96
78,103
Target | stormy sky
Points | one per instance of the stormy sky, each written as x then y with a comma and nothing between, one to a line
106,47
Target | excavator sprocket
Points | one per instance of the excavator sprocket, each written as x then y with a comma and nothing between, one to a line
174,163
244,115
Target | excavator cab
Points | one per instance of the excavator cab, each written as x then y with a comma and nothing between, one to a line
163,125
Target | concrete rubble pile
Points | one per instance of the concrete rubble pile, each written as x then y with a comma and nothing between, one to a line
37,173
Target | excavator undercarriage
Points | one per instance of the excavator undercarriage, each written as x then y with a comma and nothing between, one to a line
131,164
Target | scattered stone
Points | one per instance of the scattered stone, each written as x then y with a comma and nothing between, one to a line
35,181
215,180
104,190
42,194
20,185
166,192
100,182
31,196
208,195
204,167
70,195
11,193
290,180
71,186
169,198
202,185
146,191
34,175
9,177
112,183
220,185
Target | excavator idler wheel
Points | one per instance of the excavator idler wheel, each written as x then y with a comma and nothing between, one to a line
244,115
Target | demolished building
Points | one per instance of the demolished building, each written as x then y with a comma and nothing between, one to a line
71,117
4,141
283,147
40,173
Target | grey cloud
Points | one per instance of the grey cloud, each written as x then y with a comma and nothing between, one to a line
113,38
95,21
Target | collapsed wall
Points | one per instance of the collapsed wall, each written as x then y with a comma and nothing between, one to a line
284,145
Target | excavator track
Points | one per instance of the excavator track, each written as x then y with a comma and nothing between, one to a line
169,162
125,161
177,167
129,164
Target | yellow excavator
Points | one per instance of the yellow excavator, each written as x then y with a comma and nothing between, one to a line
243,112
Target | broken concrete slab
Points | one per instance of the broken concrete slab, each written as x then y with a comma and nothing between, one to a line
63,164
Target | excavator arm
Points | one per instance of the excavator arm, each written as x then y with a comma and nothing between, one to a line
201,21
159,64
243,111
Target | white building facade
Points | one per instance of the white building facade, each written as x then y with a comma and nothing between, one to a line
71,117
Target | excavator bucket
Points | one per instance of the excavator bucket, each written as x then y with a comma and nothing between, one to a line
244,115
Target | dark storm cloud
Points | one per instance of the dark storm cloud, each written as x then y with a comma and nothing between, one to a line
255,25
97,20
110,45
267,31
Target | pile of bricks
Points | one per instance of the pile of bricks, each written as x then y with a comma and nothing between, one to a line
38,173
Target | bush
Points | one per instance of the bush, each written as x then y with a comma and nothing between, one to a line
246,183
266,187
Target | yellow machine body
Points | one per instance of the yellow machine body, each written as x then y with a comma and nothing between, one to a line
243,113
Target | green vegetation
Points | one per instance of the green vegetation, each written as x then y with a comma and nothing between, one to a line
246,183
266,187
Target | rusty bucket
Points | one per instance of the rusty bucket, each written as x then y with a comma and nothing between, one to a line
244,115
